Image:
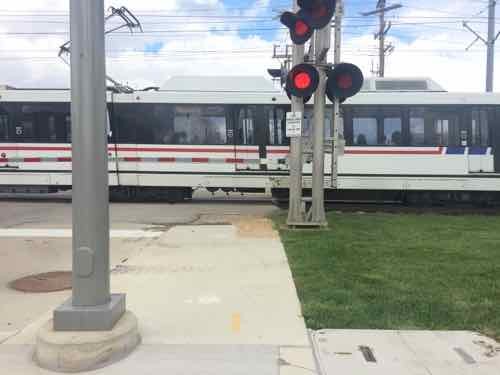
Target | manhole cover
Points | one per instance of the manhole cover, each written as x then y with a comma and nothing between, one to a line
43,282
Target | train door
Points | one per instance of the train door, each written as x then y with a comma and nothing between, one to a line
248,142
8,152
112,131
478,142
125,118
495,133
277,144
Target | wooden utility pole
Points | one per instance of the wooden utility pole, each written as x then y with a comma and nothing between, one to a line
384,28
489,42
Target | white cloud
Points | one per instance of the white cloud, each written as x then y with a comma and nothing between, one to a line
433,50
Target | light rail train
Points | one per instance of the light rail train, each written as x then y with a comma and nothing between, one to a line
406,140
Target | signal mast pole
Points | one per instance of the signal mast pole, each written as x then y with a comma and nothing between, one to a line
337,49
295,214
321,46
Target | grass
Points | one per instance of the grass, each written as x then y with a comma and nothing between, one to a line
386,271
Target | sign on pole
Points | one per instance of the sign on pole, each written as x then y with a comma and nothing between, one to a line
293,124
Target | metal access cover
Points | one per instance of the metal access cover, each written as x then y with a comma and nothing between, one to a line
43,282
366,352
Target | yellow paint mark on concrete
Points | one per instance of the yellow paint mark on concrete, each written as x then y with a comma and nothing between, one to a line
236,323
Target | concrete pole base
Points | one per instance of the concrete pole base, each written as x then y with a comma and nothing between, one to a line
75,351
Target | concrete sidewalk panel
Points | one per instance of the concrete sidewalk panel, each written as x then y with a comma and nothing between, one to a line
164,359
209,285
405,352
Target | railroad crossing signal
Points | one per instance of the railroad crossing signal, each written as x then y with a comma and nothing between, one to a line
317,13
313,15
302,81
300,30
344,81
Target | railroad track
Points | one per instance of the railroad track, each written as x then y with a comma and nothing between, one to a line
398,207
341,206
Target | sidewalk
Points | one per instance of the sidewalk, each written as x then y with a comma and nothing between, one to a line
220,299
211,299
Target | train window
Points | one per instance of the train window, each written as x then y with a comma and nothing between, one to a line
246,120
157,125
364,131
393,131
4,126
441,131
42,122
141,123
479,128
417,127
67,125
308,124
277,126
200,125
445,129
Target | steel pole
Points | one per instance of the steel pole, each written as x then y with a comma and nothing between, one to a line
490,61
318,169
318,216
339,13
91,306
295,212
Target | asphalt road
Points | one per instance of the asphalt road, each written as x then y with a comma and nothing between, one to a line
54,211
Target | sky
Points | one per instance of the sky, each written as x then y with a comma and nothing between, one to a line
236,37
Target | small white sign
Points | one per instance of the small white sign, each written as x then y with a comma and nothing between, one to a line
294,124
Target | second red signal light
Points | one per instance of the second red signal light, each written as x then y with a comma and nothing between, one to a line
344,81
313,15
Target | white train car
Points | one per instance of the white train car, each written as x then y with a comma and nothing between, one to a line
405,140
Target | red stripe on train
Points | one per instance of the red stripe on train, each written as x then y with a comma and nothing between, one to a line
199,160
278,151
132,159
232,160
166,160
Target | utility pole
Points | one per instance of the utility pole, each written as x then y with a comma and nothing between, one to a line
295,213
489,42
490,64
384,28
381,39
91,307
321,46
337,50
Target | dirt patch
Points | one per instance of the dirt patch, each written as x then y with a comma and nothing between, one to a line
256,227
43,282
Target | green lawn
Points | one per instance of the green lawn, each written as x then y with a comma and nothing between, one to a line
405,271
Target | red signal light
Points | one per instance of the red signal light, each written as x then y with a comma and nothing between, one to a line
301,28
302,80
344,81
318,13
